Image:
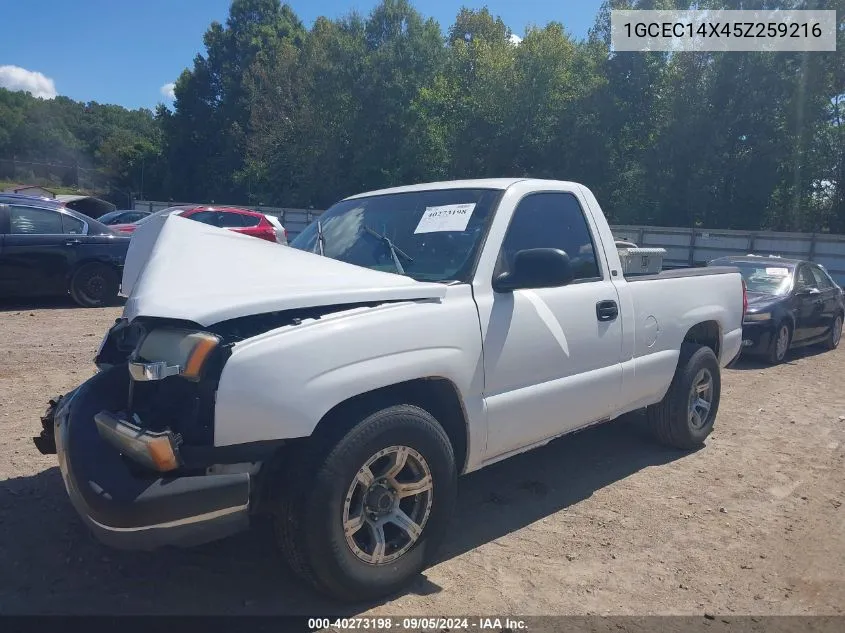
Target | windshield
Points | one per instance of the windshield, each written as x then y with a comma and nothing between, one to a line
426,235
766,278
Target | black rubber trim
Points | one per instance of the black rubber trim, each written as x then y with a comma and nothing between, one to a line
677,273
118,496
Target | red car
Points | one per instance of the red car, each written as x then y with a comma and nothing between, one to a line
243,221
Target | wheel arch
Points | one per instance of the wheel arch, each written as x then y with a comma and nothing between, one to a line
707,333
91,260
435,394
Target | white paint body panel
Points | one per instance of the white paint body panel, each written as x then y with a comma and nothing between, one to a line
528,366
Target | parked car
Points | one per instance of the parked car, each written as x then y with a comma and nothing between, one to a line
791,303
123,216
244,221
47,249
445,327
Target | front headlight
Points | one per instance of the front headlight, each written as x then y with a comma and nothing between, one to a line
172,352
758,316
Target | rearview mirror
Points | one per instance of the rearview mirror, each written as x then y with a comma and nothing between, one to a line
536,268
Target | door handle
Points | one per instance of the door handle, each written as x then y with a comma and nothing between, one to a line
607,310
72,242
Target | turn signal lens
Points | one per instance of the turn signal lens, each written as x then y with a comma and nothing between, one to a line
161,453
203,346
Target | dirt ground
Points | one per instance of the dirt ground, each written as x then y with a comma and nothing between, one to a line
600,522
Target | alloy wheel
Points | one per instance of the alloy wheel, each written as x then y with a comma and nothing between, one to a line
387,505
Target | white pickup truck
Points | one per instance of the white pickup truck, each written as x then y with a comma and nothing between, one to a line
342,384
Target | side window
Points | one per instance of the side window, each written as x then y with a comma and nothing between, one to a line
230,220
32,221
804,278
551,220
206,217
72,226
249,220
822,282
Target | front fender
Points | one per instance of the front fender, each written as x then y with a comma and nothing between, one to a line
280,385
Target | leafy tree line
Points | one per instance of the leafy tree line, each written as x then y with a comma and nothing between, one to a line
89,145
275,113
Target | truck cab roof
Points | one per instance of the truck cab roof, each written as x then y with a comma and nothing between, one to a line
477,183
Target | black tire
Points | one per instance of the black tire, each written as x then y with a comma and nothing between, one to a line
775,355
669,420
308,513
94,285
835,334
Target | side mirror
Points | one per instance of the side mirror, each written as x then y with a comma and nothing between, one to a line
536,268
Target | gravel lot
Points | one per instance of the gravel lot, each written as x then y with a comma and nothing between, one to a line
600,522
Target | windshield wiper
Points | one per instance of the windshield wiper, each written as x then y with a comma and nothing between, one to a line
394,250
321,241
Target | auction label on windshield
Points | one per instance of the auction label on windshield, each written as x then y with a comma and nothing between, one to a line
449,217
772,30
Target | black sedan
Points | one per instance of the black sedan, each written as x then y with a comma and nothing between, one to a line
791,303
47,249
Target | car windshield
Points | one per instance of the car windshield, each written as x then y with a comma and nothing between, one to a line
766,277
426,235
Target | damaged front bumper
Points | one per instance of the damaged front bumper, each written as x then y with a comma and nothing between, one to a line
131,507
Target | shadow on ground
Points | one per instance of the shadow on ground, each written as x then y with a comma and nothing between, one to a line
745,363
50,564
45,303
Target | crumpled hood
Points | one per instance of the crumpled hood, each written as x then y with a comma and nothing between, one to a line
181,269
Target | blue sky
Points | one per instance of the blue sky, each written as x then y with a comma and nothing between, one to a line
124,51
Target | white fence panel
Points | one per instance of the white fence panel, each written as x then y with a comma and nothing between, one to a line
684,246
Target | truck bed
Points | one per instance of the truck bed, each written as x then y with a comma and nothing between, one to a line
676,273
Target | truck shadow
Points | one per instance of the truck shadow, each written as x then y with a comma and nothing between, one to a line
49,563
46,303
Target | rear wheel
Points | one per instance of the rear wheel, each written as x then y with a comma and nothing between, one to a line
361,518
685,416
779,345
94,285
835,334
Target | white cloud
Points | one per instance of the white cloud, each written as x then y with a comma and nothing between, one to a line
168,91
20,79
515,39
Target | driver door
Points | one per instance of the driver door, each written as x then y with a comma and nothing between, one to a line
551,361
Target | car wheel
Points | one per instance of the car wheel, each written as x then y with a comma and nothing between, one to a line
364,519
779,345
685,416
94,285
835,334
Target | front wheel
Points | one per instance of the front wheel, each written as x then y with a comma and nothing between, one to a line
372,515
835,334
685,416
